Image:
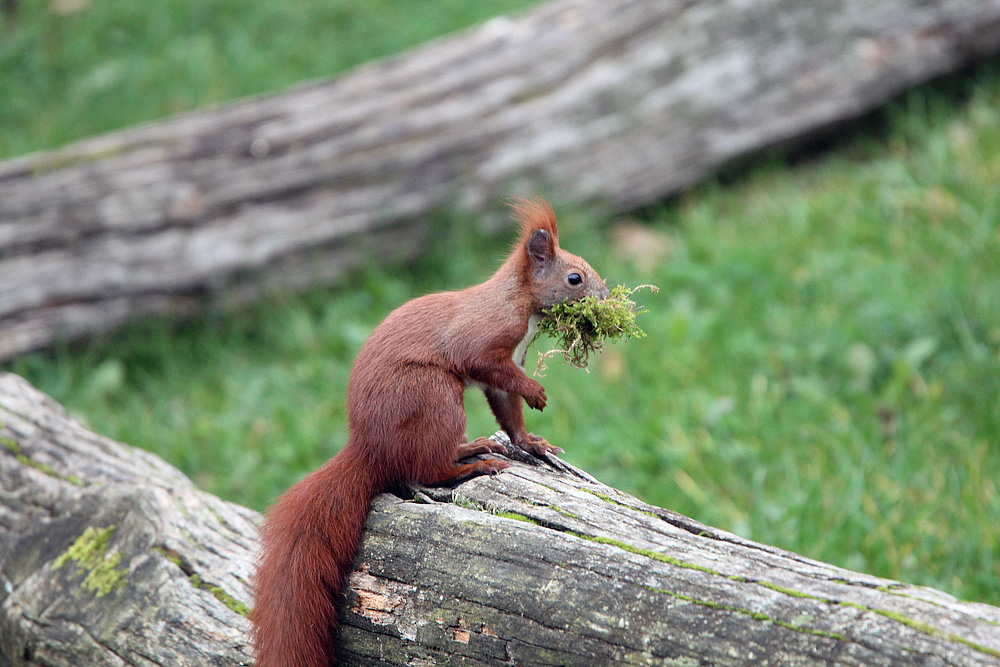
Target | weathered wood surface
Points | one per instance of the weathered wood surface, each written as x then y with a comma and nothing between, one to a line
588,101
536,566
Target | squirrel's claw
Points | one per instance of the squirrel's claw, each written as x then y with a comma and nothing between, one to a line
539,446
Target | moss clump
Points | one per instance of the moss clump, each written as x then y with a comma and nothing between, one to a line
26,460
220,594
10,445
170,555
37,465
516,517
756,615
228,600
648,553
90,551
611,501
462,501
581,327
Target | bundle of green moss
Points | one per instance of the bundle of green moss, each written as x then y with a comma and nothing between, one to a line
581,327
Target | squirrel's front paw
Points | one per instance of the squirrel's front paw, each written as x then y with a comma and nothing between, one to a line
539,446
493,467
535,397
487,445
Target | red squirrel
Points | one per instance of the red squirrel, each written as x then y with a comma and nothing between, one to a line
407,425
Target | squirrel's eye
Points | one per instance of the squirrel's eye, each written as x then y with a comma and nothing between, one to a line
574,279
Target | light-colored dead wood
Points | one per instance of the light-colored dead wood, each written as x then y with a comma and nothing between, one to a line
109,556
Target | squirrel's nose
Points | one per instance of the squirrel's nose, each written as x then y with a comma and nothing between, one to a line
604,292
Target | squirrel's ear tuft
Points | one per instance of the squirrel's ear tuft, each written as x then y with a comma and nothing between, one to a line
535,214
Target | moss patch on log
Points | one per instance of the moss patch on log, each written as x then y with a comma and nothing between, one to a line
756,615
220,593
90,552
892,615
611,501
14,448
10,445
900,618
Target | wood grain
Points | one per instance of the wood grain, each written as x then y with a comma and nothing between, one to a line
539,565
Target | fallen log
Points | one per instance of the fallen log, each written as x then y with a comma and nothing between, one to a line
109,556
604,104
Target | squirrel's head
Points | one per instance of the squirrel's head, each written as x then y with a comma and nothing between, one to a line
550,273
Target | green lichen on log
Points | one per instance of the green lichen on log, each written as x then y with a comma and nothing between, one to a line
581,327
90,552
10,445
611,501
756,615
892,615
516,517
14,448
220,593
26,460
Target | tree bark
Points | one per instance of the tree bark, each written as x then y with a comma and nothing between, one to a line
109,556
597,103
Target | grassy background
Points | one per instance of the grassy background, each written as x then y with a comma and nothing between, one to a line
72,68
822,370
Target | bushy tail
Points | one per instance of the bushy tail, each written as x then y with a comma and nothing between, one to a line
309,540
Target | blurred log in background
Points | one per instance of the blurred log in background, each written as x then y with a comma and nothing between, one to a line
611,105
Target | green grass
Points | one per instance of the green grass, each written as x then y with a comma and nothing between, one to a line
72,68
821,372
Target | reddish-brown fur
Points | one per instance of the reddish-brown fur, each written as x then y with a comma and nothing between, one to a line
407,424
